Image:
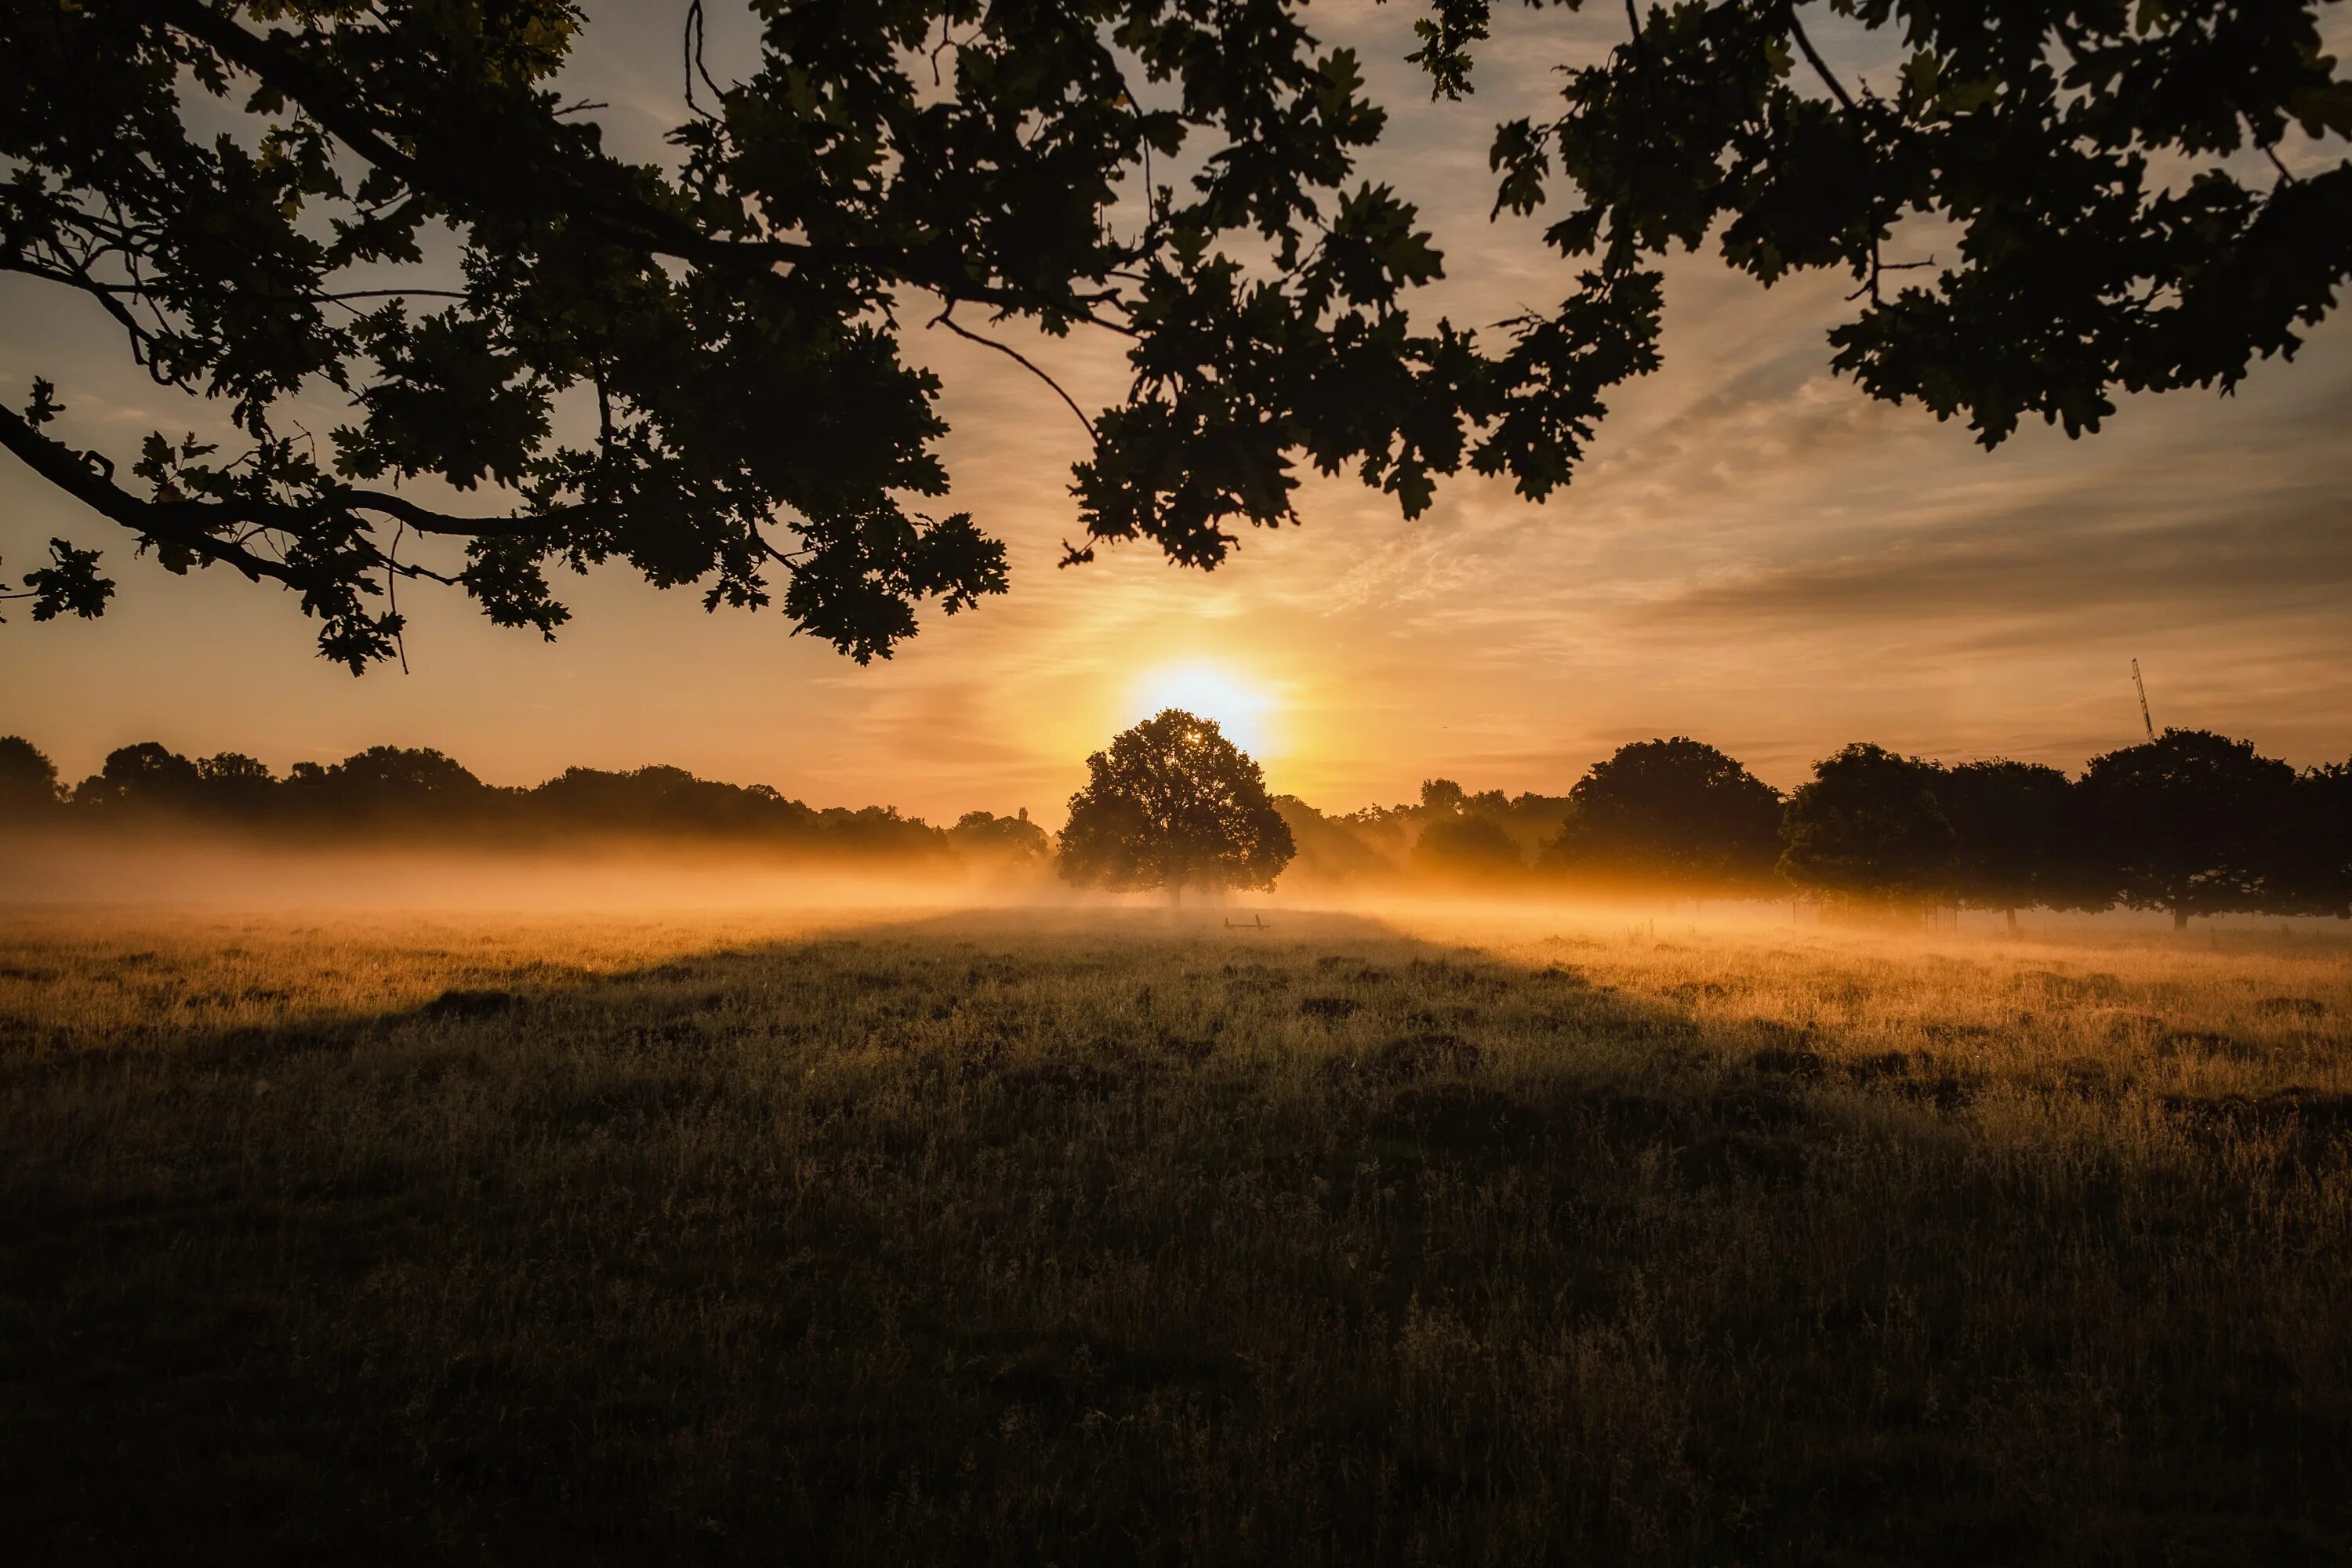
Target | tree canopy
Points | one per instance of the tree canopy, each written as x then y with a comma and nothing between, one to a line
1171,805
552,357
28,780
2077,197
696,370
1466,846
1010,840
142,776
2194,823
1676,811
2320,865
2008,825
1868,826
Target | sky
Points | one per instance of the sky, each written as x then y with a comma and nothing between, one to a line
1754,553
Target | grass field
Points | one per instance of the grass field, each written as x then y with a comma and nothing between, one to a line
1090,1237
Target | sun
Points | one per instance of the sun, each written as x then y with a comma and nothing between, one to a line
1243,709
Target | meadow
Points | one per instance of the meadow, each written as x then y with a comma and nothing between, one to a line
1072,1236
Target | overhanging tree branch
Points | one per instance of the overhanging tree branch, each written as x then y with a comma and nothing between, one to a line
179,523
195,524
623,218
946,319
1813,57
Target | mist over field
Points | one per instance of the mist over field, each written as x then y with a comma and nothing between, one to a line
194,868
179,868
1119,783
638,1168
1930,1164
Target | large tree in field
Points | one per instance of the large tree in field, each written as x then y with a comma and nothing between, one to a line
1675,812
1171,805
2012,847
524,352
2191,822
1868,826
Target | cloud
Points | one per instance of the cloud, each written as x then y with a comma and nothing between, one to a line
2046,559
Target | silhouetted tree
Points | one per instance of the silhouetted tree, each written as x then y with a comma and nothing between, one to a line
661,799
234,786
410,789
148,776
1378,842
386,782
28,780
1674,811
1387,831
1868,826
2011,844
1007,839
1466,847
876,832
1172,803
2191,822
2024,129
2319,843
1332,851
1530,820
734,323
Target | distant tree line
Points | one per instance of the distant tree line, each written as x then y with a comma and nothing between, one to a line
417,790
2191,822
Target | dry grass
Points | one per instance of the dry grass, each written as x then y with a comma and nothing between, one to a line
1080,1239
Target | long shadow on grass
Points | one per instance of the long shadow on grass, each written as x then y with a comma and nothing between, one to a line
1034,1238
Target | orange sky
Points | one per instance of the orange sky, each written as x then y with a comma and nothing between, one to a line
1755,554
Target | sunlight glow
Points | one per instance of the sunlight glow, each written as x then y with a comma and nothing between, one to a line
1242,709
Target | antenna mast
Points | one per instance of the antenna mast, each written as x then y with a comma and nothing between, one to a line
2141,687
